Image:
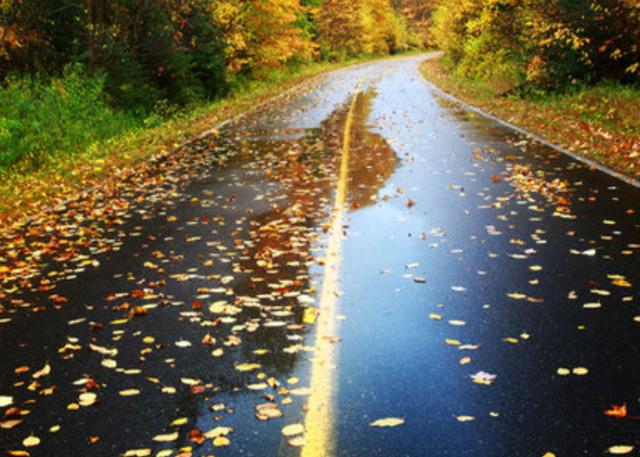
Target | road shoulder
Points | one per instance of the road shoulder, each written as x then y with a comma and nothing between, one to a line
613,151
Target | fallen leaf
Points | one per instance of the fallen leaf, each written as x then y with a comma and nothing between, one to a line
129,392
9,424
310,315
219,431
484,378
620,449
298,441
166,438
248,366
388,422
87,399
293,429
138,453
266,411
619,411
196,436
208,340
31,441
221,441
109,363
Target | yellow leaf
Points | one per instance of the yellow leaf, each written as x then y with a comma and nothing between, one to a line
516,295
293,429
221,441
247,366
5,401
31,441
166,438
218,432
138,453
129,392
310,315
44,372
87,399
388,422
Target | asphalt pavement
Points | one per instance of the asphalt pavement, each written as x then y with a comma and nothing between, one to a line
450,287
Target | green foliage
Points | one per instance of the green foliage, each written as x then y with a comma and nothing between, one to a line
150,51
40,119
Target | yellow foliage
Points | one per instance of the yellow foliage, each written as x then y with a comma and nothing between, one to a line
261,33
369,26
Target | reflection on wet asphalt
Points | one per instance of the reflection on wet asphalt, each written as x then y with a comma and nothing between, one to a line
488,293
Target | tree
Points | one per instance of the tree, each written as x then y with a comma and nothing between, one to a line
546,43
340,27
262,33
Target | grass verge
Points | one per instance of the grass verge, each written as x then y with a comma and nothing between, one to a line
26,191
597,122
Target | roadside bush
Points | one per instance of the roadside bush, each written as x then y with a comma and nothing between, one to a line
63,115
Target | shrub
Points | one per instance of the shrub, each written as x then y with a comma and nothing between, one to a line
40,119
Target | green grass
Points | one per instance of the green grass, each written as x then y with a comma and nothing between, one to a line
608,103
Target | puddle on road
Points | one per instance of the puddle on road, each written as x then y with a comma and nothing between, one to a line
197,314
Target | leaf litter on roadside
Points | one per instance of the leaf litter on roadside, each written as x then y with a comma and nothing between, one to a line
243,294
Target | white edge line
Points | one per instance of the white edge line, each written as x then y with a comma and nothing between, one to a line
592,163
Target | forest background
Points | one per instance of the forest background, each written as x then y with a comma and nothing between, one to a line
80,79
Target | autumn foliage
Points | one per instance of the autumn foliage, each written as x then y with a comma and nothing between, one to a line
349,27
176,50
544,43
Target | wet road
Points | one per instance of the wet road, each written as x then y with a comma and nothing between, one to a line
482,293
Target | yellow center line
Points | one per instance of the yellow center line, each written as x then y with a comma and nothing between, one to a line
319,419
